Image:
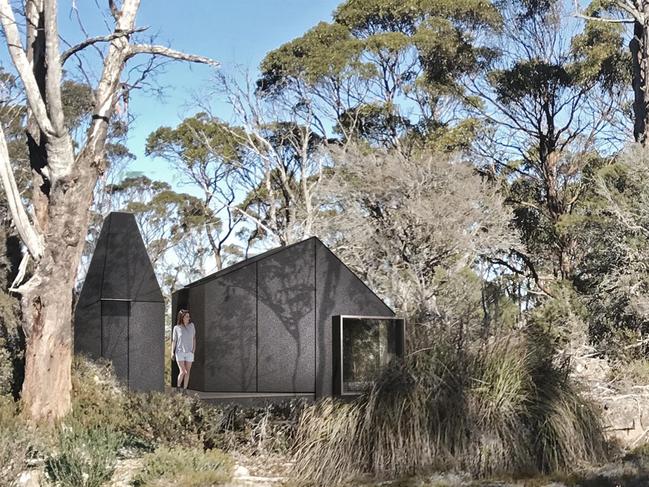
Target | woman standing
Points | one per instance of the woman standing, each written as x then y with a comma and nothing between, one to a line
183,344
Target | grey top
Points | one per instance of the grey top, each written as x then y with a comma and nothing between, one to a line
184,337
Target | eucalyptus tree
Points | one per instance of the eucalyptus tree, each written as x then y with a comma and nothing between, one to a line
630,19
208,154
549,98
64,175
386,71
414,227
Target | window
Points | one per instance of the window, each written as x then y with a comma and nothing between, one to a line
363,346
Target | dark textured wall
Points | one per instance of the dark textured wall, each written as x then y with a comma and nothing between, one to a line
339,292
128,272
285,322
146,342
87,328
230,336
87,317
114,336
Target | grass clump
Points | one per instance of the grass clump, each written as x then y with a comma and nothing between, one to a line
501,407
85,457
186,467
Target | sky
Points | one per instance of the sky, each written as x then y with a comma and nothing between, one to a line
235,33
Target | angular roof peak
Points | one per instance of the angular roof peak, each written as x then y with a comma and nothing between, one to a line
120,268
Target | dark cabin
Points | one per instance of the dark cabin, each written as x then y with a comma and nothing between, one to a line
291,321
120,311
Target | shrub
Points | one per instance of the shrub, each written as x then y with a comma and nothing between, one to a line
501,407
158,419
97,396
186,467
14,440
270,429
85,457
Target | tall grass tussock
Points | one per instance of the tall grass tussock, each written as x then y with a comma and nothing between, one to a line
498,407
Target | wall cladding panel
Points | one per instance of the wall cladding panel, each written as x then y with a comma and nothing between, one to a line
114,336
230,337
286,328
87,329
339,292
146,346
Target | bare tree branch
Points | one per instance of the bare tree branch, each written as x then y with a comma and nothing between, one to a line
170,53
113,9
25,229
604,19
23,67
629,8
93,40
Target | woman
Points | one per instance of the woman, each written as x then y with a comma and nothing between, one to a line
183,344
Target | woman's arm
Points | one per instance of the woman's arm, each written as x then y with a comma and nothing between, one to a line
173,342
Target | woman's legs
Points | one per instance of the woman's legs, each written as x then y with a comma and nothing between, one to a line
182,374
188,367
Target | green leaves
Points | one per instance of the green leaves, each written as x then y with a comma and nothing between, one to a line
535,78
325,51
196,140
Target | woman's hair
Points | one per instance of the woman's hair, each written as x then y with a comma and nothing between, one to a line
181,316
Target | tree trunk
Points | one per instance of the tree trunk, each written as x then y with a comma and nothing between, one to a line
48,305
48,353
639,47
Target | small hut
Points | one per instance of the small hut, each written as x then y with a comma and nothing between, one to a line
120,311
291,321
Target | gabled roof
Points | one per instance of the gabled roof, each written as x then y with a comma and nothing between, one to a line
262,256
248,261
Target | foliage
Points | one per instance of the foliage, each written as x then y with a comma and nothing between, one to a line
378,57
184,467
86,457
408,225
164,419
148,421
98,399
270,429
500,407
616,289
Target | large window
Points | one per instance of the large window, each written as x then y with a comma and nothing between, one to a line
363,345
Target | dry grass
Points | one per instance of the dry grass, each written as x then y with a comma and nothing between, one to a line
501,408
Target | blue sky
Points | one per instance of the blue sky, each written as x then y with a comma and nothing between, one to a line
236,33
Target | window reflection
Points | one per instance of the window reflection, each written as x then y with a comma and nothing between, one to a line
368,345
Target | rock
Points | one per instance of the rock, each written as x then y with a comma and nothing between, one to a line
30,478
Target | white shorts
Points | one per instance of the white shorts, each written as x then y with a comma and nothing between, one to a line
184,357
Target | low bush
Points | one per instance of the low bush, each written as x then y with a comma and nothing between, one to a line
85,457
270,429
158,419
186,467
14,440
98,398
502,407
